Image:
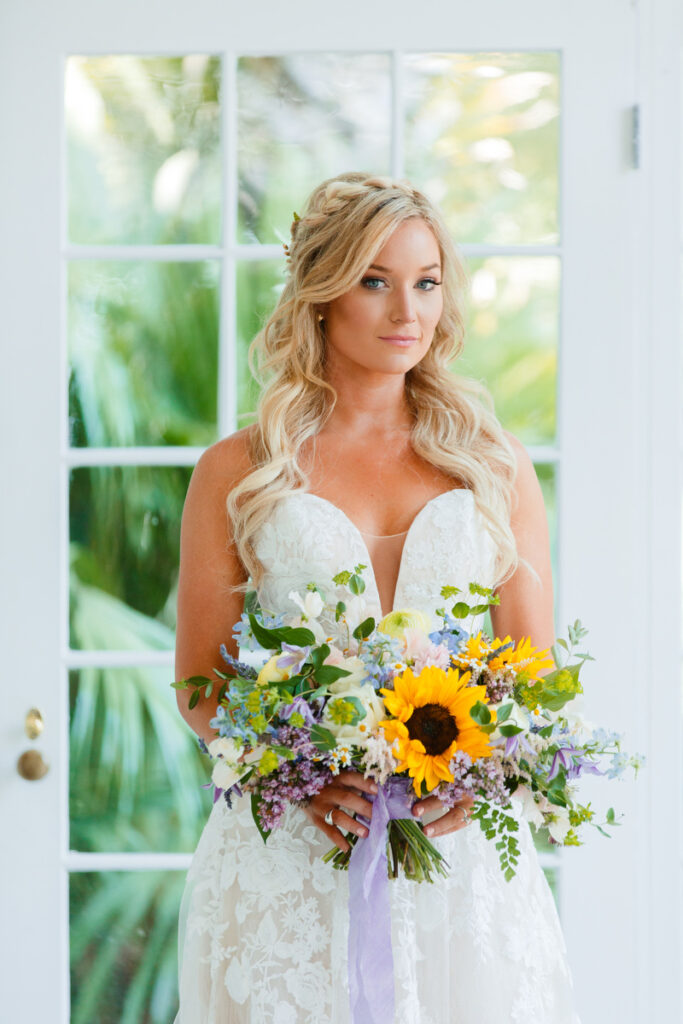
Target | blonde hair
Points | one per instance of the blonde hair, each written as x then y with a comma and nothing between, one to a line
346,222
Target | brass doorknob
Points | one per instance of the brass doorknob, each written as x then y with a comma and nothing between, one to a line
31,765
33,724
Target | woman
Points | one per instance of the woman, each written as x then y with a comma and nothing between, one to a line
367,449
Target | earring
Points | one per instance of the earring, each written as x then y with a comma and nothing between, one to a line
320,318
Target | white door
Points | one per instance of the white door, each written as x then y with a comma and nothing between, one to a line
150,156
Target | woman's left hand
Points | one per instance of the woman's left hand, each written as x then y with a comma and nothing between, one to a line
452,820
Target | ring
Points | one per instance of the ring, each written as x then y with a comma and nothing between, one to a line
466,816
328,817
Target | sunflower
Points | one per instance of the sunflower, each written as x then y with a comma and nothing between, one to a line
522,657
431,721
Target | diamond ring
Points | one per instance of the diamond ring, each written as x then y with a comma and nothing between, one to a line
328,817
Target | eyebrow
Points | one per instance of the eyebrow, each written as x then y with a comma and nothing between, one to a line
386,270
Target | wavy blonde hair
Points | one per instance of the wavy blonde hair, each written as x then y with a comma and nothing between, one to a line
346,222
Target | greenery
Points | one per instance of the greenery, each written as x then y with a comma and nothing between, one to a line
144,167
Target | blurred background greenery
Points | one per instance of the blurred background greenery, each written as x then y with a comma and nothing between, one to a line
146,167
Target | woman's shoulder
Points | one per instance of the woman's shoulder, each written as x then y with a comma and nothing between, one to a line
225,463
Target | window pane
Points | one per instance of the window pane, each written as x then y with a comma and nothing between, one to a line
481,137
259,284
124,532
303,118
143,353
124,946
143,149
512,338
136,774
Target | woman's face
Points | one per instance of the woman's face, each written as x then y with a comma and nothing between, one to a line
386,322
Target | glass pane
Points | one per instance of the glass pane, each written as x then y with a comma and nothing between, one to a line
512,339
553,878
143,353
124,532
481,137
259,284
124,946
303,118
143,149
546,473
135,770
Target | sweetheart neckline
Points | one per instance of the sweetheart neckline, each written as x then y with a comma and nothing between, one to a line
350,522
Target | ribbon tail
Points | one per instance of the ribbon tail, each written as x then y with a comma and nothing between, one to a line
371,963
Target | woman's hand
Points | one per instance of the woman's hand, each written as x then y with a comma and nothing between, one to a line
452,820
344,792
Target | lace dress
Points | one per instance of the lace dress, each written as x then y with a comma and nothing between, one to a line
263,928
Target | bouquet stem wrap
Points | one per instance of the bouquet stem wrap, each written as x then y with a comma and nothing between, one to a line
371,965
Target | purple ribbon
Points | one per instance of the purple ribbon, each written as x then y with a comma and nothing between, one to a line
371,964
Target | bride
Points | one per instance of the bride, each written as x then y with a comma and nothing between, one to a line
367,449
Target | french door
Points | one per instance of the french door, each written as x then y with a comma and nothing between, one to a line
152,160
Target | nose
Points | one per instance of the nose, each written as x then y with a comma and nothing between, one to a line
403,310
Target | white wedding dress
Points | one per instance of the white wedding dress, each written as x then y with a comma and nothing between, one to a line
263,930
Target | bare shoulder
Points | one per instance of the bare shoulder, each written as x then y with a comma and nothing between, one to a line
224,464
527,490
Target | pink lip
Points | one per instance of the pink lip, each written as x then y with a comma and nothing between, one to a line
399,339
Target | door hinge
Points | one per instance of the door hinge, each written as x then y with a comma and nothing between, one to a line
635,136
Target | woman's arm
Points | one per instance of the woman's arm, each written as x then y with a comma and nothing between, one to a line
209,569
526,599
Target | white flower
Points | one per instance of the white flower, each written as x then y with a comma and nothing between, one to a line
353,665
226,748
224,775
530,809
559,826
311,605
374,712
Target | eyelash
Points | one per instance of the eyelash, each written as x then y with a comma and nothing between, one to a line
425,280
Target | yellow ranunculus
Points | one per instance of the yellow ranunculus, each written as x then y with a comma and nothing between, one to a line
396,622
270,673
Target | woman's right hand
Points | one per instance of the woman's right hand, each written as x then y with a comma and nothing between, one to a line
344,792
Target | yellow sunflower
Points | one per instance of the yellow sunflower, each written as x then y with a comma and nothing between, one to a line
523,656
431,721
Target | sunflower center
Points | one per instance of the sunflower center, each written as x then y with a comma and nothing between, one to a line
434,726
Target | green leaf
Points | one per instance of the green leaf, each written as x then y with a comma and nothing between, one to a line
356,584
194,699
460,610
504,712
360,711
364,629
327,674
610,816
272,639
322,738
479,609
339,610
480,713
255,804
318,655
510,730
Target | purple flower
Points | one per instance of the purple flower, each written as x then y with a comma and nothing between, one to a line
293,657
302,707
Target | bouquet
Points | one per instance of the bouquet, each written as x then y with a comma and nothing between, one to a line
447,712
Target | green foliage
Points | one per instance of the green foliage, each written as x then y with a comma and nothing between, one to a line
495,822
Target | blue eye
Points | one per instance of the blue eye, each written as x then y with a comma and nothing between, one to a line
370,282
431,282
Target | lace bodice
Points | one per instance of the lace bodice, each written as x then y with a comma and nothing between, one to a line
308,539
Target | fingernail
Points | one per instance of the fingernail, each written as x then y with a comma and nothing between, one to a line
373,788
429,831
419,811
362,832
